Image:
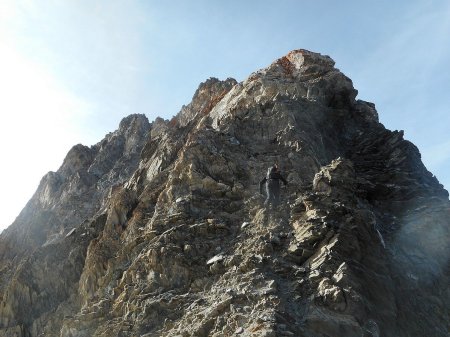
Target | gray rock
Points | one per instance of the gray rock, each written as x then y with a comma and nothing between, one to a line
216,258
153,202
245,224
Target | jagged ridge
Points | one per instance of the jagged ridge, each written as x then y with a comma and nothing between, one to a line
184,247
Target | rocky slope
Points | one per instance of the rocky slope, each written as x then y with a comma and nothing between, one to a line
159,230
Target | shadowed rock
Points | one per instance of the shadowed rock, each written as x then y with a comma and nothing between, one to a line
159,230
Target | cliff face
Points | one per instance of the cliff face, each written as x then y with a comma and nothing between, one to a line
160,230
74,193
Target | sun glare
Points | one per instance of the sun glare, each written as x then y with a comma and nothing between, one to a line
38,123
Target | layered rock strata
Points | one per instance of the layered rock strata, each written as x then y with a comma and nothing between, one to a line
174,239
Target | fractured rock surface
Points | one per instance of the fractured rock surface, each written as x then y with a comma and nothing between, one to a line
160,230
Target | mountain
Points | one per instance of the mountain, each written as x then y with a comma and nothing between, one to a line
160,229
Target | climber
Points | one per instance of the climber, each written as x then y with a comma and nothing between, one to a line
272,181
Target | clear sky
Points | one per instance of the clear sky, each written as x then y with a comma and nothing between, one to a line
71,70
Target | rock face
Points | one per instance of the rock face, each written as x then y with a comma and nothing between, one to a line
159,230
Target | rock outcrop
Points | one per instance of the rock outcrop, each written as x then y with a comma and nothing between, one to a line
160,230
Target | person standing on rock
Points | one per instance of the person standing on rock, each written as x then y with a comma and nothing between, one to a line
272,181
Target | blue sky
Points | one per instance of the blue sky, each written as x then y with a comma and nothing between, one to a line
71,70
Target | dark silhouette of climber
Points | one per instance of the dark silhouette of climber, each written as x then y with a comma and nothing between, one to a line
272,181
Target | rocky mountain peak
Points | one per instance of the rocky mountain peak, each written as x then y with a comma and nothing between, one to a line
79,188
301,77
160,229
208,94
302,62
133,121
78,158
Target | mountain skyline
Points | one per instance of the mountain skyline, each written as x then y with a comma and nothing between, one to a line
163,229
64,83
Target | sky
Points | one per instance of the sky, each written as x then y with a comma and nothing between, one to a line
71,70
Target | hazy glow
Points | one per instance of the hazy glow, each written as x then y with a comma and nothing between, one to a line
70,70
37,128
39,122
